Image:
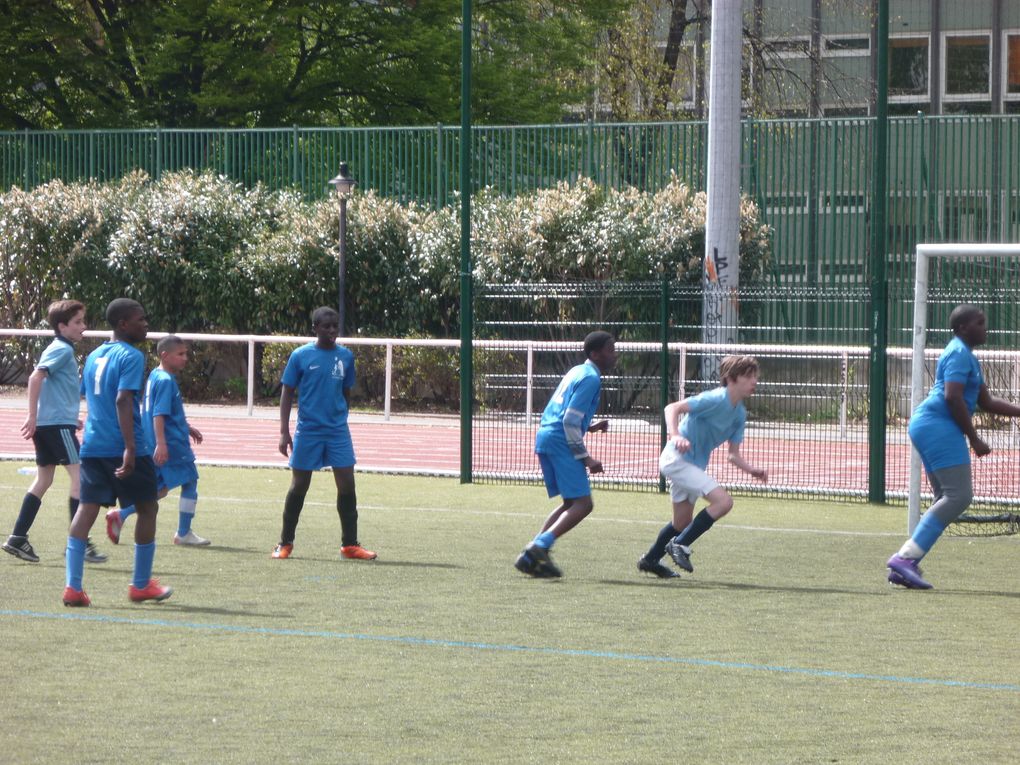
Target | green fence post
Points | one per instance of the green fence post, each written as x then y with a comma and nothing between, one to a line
466,302
25,163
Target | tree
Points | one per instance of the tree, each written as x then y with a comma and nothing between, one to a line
249,63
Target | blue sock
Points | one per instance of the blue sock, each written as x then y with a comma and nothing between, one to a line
544,540
928,531
126,512
144,555
75,562
184,523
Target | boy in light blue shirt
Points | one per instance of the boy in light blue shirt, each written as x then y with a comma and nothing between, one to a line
54,400
709,419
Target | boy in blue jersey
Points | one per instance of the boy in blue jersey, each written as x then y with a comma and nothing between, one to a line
54,401
562,454
168,428
709,419
116,456
940,429
322,375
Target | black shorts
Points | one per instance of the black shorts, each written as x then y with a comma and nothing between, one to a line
56,445
99,485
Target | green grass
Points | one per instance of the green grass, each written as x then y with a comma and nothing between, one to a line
316,659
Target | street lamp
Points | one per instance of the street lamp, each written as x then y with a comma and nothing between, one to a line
344,184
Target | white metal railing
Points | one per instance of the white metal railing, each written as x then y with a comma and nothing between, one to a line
845,353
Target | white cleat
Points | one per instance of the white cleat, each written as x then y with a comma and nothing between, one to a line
191,538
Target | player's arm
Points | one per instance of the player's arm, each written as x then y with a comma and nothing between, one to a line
286,404
573,420
195,433
961,416
162,453
993,405
737,460
125,419
35,382
673,412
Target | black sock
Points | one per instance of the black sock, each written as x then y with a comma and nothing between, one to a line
347,507
658,548
702,522
291,512
72,505
29,508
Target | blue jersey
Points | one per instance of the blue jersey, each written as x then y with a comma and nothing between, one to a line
570,410
112,367
712,420
932,428
60,395
320,378
163,399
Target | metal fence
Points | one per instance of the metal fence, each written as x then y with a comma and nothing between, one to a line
951,178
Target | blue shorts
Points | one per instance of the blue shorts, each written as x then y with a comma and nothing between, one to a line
564,474
99,485
313,451
172,475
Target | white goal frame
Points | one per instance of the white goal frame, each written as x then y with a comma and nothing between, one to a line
923,256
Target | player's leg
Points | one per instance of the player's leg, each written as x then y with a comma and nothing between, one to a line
292,505
92,553
97,487
347,509
185,476
954,492
17,543
141,490
683,510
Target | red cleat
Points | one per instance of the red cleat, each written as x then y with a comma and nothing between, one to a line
282,551
78,598
113,525
152,591
357,552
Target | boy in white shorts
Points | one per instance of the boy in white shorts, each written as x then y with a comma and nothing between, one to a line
709,419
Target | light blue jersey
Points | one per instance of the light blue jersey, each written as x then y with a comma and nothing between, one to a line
163,399
569,412
112,367
713,420
932,429
320,378
60,395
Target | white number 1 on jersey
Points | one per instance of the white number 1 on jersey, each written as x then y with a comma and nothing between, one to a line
100,367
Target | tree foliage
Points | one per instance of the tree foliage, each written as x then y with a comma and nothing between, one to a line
253,63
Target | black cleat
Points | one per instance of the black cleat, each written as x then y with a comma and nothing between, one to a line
681,555
20,548
543,566
654,567
92,553
525,563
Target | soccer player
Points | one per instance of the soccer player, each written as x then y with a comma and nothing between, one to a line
168,428
709,419
53,405
116,456
562,454
940,429
322,375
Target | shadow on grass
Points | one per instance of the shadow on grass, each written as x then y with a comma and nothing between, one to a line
692,584
169,607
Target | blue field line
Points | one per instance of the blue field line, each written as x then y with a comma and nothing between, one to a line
509,647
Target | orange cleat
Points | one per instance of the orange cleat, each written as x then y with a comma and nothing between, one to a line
114,525
152,591
73,597
282,551
357,552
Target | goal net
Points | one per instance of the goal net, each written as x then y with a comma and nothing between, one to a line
986,275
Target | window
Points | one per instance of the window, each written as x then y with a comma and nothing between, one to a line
908,68
1011,71
846,46
796,47
967,66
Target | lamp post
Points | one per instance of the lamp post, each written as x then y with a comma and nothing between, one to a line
344,185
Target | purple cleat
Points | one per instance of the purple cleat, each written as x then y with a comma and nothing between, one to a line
905,572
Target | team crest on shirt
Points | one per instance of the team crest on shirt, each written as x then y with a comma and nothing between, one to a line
338,369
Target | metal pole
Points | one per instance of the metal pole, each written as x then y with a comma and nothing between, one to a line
879,287
342,267
466,324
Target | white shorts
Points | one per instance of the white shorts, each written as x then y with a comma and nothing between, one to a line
687,482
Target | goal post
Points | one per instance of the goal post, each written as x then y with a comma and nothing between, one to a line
924,254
